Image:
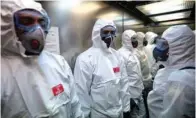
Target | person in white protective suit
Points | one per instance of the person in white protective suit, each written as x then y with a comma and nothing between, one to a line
173,94
141,54
34,83
134,77
98,73
150,37
147,77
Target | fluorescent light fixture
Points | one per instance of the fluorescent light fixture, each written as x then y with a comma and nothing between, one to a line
165,6
171,16
87,7
128,22
175,22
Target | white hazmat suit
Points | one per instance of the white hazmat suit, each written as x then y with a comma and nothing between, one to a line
98,75
141,54
147,77
33,86
173,94
150,37
134,75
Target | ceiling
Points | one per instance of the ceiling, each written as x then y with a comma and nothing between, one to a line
138,15
156,13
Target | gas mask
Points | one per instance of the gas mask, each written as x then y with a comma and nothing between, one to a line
161,51
134,41
145,42
107,34
31,28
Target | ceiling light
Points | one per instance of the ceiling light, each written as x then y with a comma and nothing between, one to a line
176,22
165,6
171,16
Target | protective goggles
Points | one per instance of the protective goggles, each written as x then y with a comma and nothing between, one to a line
134,38
134,41
161,51
108,30
145,42
28,20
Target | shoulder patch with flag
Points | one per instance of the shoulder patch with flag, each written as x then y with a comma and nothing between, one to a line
116,69
57,89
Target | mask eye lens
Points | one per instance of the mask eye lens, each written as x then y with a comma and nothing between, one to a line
113,32
42,23
106,32
133,39
25,20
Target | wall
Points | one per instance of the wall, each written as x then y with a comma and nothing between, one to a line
74,29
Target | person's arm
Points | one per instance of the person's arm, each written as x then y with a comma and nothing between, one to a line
75,103
83,79
154,69
125,95
134,77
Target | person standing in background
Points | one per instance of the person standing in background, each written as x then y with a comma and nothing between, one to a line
147,77
99,73
133,101
173,95
151,37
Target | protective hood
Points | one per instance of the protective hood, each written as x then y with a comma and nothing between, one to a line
9,39
96,34
126,39
140,39
181,41
150,36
